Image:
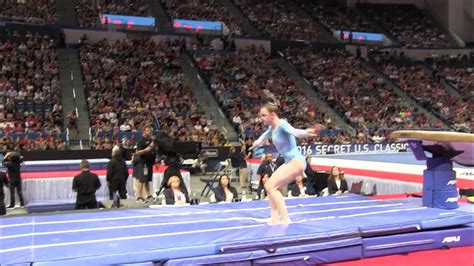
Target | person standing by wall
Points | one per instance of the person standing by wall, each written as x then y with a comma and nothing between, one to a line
117,174
12,162
146,151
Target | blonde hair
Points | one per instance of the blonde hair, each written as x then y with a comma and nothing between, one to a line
116,151
173,178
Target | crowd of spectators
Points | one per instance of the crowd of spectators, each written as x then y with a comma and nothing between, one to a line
210,10
415,80
29,87
131,82
461,76
364,99
457,70
28,11
409,25
42,141
279,19
238,81
335,16
88,11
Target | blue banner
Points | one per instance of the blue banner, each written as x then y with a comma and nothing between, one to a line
128,21
197,25
321,149
362,36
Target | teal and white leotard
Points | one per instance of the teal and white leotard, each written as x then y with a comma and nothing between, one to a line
284,138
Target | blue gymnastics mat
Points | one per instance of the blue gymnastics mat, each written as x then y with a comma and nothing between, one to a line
333,228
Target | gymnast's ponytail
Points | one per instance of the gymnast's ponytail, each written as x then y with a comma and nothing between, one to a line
271,103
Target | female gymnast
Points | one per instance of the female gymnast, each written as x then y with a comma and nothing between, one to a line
283,136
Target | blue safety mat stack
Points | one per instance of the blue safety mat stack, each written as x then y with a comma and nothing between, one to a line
325,229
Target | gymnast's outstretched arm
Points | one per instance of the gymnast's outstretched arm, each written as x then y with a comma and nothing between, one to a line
262,138
298,133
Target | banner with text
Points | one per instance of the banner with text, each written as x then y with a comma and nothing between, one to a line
321,149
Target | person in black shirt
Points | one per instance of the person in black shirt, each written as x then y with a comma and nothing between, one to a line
146,151
267,166
311,176
117,174
12,162
261,193
86,184
3,182
301,188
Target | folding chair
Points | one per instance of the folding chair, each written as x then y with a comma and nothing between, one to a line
370,190
209,181
356,187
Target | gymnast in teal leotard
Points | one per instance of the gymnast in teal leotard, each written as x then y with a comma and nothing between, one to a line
283,136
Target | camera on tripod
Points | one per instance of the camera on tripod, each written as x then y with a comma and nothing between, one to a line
173,150
14,157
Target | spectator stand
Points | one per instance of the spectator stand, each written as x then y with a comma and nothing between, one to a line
103,140
353,90
29,86
33,141
204,11
234,85
413,78
89,12
281,20
28,11
410,26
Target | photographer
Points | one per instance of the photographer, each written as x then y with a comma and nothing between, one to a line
12,162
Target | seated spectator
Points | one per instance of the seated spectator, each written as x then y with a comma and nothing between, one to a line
266,166
406,23
337,17
29,11
224,191
310,174
281,20
140,83
301,188
174,194
29,83
173,164
337,184
353,90
238,81
261,192
427,91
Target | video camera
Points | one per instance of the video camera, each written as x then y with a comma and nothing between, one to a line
14,157
173,150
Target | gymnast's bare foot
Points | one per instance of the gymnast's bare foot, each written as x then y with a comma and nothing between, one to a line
285,221
273,221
